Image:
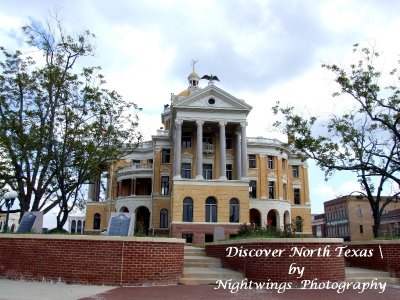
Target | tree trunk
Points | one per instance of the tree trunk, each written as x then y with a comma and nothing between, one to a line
62,218
376,228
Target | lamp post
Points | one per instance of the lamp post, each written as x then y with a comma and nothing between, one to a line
9,197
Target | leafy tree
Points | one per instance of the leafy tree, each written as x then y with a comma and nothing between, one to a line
60,127
363,140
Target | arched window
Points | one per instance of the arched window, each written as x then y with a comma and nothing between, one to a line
163,218
187,215
12,228
211,210
96,221
299,224
73,226
234,211
1,226
79,227
124,209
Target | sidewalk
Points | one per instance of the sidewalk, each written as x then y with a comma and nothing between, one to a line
23,290
33,290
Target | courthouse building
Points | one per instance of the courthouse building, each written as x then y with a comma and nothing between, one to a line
201,171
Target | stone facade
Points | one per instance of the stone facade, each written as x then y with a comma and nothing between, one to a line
201,171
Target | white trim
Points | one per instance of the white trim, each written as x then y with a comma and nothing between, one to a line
205,223
214,182
294,206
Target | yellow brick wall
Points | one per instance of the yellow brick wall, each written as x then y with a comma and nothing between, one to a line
158,205
199,194
103,209
305,214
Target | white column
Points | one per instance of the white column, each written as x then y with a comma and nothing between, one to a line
178,145
244,149
238,156
91,192
199,153
222,150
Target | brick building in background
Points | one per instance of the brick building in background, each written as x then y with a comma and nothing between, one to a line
201,171
318,225
350,217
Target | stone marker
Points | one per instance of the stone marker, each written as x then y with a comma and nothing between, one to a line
219,234
32,221
121,224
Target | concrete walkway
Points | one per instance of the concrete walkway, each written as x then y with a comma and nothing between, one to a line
33,290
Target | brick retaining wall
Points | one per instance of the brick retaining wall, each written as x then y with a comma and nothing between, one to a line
276,269
92,259
390,253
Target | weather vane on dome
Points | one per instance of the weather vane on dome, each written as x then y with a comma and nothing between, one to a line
193,63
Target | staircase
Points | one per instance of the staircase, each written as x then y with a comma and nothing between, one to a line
201,269
365,275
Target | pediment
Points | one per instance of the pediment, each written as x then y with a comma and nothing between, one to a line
212,98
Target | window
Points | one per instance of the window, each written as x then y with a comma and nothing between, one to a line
253,189
359,212
361,229
295,171
234,211
186,140
299,224
187,215
296,196
207,171
166,156
228,141
271,162
163,218
208,238
285,191
73,226
229,172
283,165
165,185
96,221
79,226
211,210
188,237
186,170
207,138
271,189
252,161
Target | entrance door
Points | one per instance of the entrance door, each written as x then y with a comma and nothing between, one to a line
255,217
142,222
272,219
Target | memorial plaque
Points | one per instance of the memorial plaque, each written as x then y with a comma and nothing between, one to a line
27,222
219,234
31,222
121,224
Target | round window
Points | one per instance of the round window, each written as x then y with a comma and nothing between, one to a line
211,101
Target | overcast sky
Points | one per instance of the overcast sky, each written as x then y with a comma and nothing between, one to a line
262,51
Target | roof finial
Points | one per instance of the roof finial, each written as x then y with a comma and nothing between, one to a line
193,63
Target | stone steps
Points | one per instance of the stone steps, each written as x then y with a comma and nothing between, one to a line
201,269
366,275
196,275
